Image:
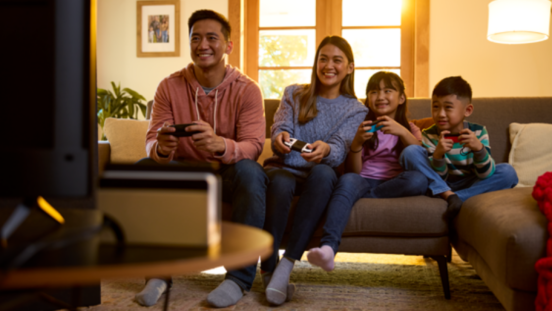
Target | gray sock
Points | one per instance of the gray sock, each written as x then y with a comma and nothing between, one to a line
226,294
276,291
290,289
151,293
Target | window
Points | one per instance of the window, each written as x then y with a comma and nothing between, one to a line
280,39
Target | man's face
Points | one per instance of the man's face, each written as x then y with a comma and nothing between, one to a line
449,112
208,45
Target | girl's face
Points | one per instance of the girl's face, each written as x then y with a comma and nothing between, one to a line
385,101
332,67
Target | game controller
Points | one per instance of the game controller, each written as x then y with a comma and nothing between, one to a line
374,128
297,145
181,130
453,137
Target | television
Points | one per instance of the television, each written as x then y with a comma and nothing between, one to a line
48,94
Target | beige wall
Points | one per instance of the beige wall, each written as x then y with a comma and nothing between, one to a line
459,46
116,46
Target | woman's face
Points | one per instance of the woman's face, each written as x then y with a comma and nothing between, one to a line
332,67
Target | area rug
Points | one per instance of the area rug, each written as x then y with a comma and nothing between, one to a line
359,282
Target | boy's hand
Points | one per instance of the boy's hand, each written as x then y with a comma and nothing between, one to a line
319,150
468,139
279,143
361,135
444,146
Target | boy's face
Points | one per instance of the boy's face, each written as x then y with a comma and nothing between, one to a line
449,112
208,44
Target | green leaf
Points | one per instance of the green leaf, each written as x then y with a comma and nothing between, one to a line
134,94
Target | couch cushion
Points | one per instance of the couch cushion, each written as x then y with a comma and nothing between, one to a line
419,216
508,231
127,139
531,154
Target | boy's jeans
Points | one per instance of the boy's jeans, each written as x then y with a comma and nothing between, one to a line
416,158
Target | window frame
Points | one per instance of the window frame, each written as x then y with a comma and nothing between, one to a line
244,20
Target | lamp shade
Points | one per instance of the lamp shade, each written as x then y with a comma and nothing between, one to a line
519,21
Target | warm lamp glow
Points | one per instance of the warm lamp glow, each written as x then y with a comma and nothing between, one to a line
519,21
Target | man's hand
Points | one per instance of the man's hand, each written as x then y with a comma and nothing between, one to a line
279,143
444,146
468,139
319,151
166,143
207,140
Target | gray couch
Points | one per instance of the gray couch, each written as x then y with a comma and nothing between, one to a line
501,234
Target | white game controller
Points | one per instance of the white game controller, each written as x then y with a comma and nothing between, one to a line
297,145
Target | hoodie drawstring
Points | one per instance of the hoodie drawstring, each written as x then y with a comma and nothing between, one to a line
215,112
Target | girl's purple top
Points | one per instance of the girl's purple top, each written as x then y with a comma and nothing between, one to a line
383,163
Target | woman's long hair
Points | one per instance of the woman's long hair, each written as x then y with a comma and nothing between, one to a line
392,81
307,93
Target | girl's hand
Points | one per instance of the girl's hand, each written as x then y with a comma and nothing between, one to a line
391,126
319,151
468,139
444,146
279,143
361,135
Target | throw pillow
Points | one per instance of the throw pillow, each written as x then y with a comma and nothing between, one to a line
127,139
531,154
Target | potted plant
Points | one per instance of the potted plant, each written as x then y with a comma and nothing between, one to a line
123,104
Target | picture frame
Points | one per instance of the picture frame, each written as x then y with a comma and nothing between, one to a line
158,28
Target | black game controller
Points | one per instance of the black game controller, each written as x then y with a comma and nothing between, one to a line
297,145
181,130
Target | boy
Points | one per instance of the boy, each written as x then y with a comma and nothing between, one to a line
456,156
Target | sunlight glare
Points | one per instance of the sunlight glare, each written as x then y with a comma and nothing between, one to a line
372,12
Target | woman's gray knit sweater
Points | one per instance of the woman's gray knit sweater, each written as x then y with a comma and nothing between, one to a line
335,124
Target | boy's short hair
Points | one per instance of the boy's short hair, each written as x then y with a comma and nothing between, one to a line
209,14
453,86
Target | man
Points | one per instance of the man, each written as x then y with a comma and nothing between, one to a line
227,112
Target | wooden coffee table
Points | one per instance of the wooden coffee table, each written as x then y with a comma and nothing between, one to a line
241,245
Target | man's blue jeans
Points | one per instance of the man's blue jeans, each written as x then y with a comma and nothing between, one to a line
244,186
351,187
416,158
315,193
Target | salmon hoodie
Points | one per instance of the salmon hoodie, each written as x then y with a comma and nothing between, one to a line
234,109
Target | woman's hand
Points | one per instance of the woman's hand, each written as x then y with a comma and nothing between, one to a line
319,149
279,143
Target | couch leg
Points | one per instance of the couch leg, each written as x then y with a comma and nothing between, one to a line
443,271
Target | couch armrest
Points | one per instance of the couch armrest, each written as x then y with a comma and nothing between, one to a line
104,155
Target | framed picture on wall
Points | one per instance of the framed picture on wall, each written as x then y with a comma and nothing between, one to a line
158,28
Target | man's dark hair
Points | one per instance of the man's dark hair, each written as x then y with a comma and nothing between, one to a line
208,14
453,86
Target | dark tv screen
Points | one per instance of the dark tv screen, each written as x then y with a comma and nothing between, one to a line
48,98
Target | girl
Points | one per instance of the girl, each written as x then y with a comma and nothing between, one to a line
373,162
324,114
